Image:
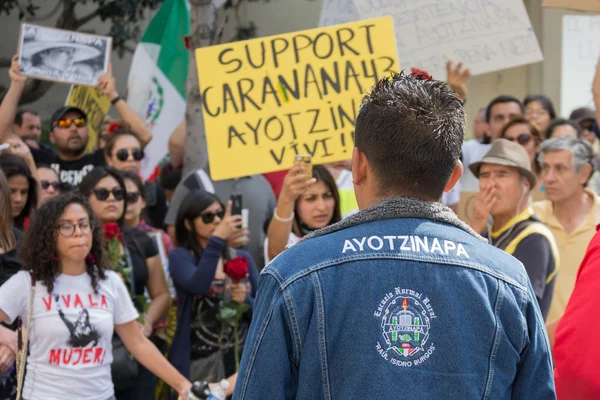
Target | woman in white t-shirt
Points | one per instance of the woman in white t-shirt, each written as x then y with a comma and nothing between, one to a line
77,304
304,205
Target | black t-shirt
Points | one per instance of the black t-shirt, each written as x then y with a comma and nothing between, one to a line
156,209
140,246
71,172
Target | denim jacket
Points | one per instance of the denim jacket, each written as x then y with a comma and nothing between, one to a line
401,300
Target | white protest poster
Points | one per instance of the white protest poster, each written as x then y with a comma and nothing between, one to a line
63,56
336,12
580,52
486,35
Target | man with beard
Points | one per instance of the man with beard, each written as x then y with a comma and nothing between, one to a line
68,128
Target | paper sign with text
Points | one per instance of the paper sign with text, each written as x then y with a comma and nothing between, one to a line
580,52
266,100
581,5
336,12
486,35
95,105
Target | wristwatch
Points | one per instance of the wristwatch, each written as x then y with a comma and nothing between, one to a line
116,100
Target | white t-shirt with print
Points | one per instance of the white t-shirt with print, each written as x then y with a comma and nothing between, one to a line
71,332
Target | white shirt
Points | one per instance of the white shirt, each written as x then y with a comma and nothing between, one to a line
292,240
71,333
472,151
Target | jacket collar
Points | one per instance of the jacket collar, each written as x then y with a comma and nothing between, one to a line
399,207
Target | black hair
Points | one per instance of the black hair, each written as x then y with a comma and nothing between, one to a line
544,101
170,177
560,122
37,252
12,165
19,116
322,174
94,176
192,206
500,100
128,175
411,131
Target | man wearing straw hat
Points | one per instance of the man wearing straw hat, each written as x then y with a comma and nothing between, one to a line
505,176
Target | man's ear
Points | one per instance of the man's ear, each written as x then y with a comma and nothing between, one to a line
585,173
456,174
359,166
52,138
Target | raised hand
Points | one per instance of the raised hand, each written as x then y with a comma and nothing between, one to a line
295,184
108,84
15,72
229,226
457,78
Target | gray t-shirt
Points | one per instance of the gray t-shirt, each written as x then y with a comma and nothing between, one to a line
257,197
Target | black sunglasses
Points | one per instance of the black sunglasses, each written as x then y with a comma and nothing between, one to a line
522,139
45,185
209,217
102,194
123,154
133,197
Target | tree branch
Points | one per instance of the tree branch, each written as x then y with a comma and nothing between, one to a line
94,14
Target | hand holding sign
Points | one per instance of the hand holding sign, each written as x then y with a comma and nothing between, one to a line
108,84
15,72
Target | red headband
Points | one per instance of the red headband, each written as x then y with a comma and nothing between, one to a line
420,74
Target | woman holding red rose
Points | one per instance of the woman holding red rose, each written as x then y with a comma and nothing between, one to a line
206,273
105,189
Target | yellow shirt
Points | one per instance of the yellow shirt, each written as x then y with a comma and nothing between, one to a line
571,246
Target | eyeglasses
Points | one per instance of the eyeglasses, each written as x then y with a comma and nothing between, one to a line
67,122
133,197
67,229
209,217
123,154
522,139
102,194
45,185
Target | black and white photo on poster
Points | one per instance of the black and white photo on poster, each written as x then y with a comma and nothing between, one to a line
64,56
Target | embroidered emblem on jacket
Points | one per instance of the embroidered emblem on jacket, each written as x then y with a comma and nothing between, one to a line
406,317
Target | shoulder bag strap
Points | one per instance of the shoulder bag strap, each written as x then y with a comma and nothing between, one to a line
24,343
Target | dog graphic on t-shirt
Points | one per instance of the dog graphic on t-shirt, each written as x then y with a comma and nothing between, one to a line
81,332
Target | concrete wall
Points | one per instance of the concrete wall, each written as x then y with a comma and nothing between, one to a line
280,16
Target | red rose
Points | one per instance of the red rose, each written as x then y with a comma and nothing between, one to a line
237,269
420,74
112,230
186,42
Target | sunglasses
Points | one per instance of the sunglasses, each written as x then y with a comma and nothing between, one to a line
133,197
67,122
209,217
45,185
123,154
102,194
522,139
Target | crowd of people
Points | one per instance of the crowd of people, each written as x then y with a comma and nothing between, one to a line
109,281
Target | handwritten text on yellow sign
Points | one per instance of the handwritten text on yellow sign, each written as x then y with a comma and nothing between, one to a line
266,100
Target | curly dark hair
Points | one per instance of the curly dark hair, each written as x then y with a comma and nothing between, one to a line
38,249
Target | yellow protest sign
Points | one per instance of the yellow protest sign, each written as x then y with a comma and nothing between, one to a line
95,105
266,100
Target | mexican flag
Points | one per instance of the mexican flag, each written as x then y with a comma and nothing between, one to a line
156,83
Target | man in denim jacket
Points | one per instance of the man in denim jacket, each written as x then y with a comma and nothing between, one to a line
401,300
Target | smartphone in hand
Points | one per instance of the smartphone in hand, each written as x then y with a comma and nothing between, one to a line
236,204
